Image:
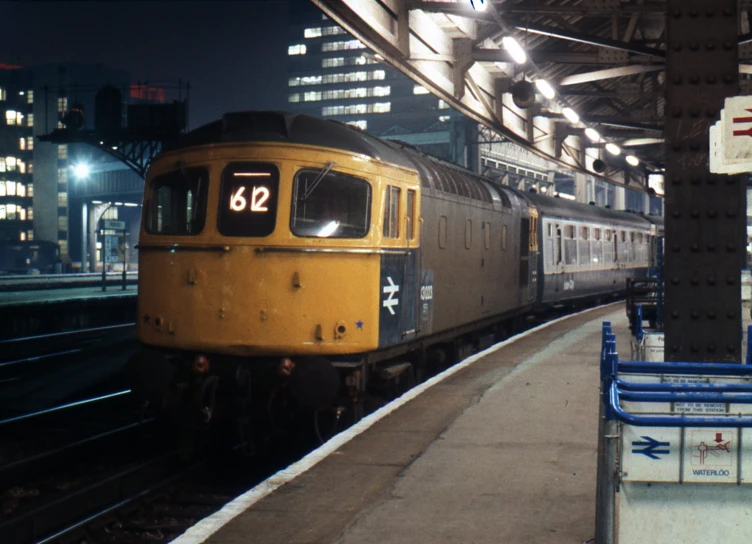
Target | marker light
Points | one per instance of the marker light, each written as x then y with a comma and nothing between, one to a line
478,5
545,89
631,159
514,49
593,134
613,148
328,229
570,114
81,170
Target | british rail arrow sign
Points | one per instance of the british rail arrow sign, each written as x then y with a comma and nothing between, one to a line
736,127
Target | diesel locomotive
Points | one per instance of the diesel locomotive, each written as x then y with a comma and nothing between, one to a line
285,254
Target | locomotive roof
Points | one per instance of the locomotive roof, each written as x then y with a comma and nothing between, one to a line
569,209
295,128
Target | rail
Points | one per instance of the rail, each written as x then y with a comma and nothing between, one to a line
615,389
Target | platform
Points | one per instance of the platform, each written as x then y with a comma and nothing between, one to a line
500,449
43,296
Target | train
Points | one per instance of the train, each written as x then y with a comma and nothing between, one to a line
286,259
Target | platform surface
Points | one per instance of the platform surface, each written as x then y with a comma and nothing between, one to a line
502,451
44,296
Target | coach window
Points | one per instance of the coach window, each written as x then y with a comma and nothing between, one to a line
487,234
391,211
468,234
596,247
570,245
584,245
503,237
608,248
176,202
328,204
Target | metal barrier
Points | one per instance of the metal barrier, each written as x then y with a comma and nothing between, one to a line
667,432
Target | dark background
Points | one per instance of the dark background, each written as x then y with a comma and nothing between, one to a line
233,54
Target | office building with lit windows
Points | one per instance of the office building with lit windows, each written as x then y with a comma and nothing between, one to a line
16,149
332,74
42,198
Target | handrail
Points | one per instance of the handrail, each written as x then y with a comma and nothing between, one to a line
615,389
673,420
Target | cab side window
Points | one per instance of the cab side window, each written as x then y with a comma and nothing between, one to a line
392,211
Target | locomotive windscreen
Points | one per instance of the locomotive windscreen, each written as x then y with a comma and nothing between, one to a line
177,202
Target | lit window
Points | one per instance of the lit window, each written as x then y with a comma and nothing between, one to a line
310,80
3,213
362,125
62,175
419,89
3,94
29,96
29,143
333,30
381,107
312,32
22,167
22,214
382,91
332,62
293,81
444,118
30,169
60,124
22,144
30,234
30,216
10,117
298,49
30,120
62,152
342,46
62,104
294,97
443,105
10,163
10,187
62,223
30,190
63,243
23,236
62,200
11,211
20,189
312,96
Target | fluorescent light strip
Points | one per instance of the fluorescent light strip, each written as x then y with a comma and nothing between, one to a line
252,174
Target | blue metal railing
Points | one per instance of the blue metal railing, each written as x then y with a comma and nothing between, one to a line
615,390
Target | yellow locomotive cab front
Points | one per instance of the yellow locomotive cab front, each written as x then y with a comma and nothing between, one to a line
264,249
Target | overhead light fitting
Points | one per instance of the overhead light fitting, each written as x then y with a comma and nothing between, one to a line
593,135
613,148
570,114
515,50
632,160
545,88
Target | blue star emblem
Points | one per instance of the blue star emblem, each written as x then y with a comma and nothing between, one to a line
359,324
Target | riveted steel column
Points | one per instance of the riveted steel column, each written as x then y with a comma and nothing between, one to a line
705,221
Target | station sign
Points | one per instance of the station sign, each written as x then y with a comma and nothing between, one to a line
111,224
114,248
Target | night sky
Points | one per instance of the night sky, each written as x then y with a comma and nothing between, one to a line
233,54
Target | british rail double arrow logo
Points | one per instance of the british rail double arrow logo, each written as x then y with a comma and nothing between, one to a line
746,131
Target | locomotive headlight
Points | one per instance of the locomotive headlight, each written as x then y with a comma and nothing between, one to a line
200,364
